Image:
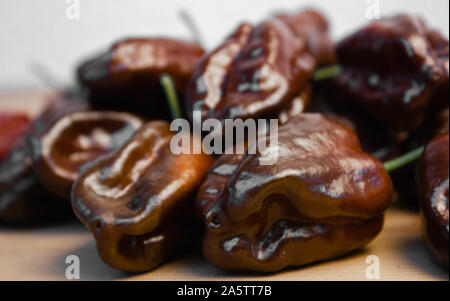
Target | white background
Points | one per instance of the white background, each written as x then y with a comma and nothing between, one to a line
37,31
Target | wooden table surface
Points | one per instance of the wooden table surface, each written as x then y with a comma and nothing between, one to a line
40,253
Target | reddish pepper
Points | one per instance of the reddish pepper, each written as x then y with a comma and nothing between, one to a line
12,126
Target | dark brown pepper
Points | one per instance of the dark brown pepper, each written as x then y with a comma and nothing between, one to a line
127,76
138,200
323,198
259,69
396,69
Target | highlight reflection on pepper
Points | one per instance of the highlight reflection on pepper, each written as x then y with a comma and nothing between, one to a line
323,198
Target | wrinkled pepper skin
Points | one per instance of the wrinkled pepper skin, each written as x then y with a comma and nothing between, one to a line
74,140
138,200
396,69
433,190
323,198
257,71
22,197
12,126
127,76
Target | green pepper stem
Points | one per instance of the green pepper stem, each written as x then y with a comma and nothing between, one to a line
326,72
192,26
403,160
171,94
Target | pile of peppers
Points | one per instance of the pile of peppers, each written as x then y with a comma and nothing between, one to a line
104,152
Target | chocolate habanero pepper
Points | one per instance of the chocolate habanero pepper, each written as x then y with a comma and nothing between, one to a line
257,71
322,198
75,139
126,77
138,200
313,27
395,69
22,197
433,192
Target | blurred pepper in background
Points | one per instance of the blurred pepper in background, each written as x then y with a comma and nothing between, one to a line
396,69
22,197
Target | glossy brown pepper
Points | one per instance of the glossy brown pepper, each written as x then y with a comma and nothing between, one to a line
433,189
127,76
322,198
74,140
257,71
138,200
22,197
397,69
